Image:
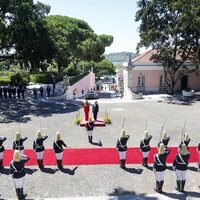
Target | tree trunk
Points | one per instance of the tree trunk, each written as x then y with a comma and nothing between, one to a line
60,71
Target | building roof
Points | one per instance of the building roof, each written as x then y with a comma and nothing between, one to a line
145,58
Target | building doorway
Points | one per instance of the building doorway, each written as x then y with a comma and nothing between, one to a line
184,82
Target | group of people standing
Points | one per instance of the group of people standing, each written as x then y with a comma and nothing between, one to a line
41,90
19,159
12,91
180,162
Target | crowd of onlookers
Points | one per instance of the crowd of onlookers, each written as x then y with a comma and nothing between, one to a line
18,91
12,91
40,91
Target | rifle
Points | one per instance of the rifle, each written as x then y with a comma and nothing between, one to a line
183,129
145,128
19,124
123,122
162,130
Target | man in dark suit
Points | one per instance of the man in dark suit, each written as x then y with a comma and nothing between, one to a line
95,110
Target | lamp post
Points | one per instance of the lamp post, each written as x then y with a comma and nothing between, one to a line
54,83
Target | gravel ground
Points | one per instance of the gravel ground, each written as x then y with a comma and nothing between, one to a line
98,180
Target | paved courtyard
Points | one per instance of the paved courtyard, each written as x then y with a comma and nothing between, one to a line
99,181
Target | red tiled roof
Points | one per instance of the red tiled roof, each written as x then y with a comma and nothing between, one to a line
144,58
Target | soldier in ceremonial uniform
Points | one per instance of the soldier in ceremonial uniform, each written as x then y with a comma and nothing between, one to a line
198,152
18,143
165,140
90,127
145,147
159,166
2,139
122,148
18,172
180,166
39,148
185,141
58,149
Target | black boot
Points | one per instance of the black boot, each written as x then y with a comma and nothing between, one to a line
146,161
60,164
41,166
121,164
41,161
22,195
157,185
124,163
144,164
38,161
1,164
183,185
17,192
178,185
89,139
161,185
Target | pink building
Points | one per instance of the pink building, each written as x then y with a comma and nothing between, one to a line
142,74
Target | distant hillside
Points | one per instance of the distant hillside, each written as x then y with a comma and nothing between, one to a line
120,56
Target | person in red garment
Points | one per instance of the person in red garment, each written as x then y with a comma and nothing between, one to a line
86,107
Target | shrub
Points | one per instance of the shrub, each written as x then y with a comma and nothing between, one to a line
107,120
20,77
45,78
4,81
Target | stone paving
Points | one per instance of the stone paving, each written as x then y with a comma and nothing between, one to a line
98,181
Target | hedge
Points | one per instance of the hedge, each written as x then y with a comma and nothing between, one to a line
4,81
45,78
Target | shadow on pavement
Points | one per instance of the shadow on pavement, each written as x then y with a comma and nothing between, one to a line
97,143
185,195
30,171
49,170
133,170
4,171
121,194
69,171
14,110
195,169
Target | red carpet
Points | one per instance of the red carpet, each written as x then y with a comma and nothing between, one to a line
99,123
95,156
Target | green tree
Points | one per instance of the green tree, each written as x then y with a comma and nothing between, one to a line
172,28
75,41
23,33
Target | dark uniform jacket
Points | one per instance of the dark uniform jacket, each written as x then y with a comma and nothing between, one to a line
2,139
185,142
17,168
38,144
181,161
89,126
144,144
18,145
122,143
165,142
160,161
95,108
58,146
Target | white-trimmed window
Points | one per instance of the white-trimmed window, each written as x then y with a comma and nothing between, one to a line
141,80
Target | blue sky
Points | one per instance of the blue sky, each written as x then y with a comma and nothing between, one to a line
112,17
